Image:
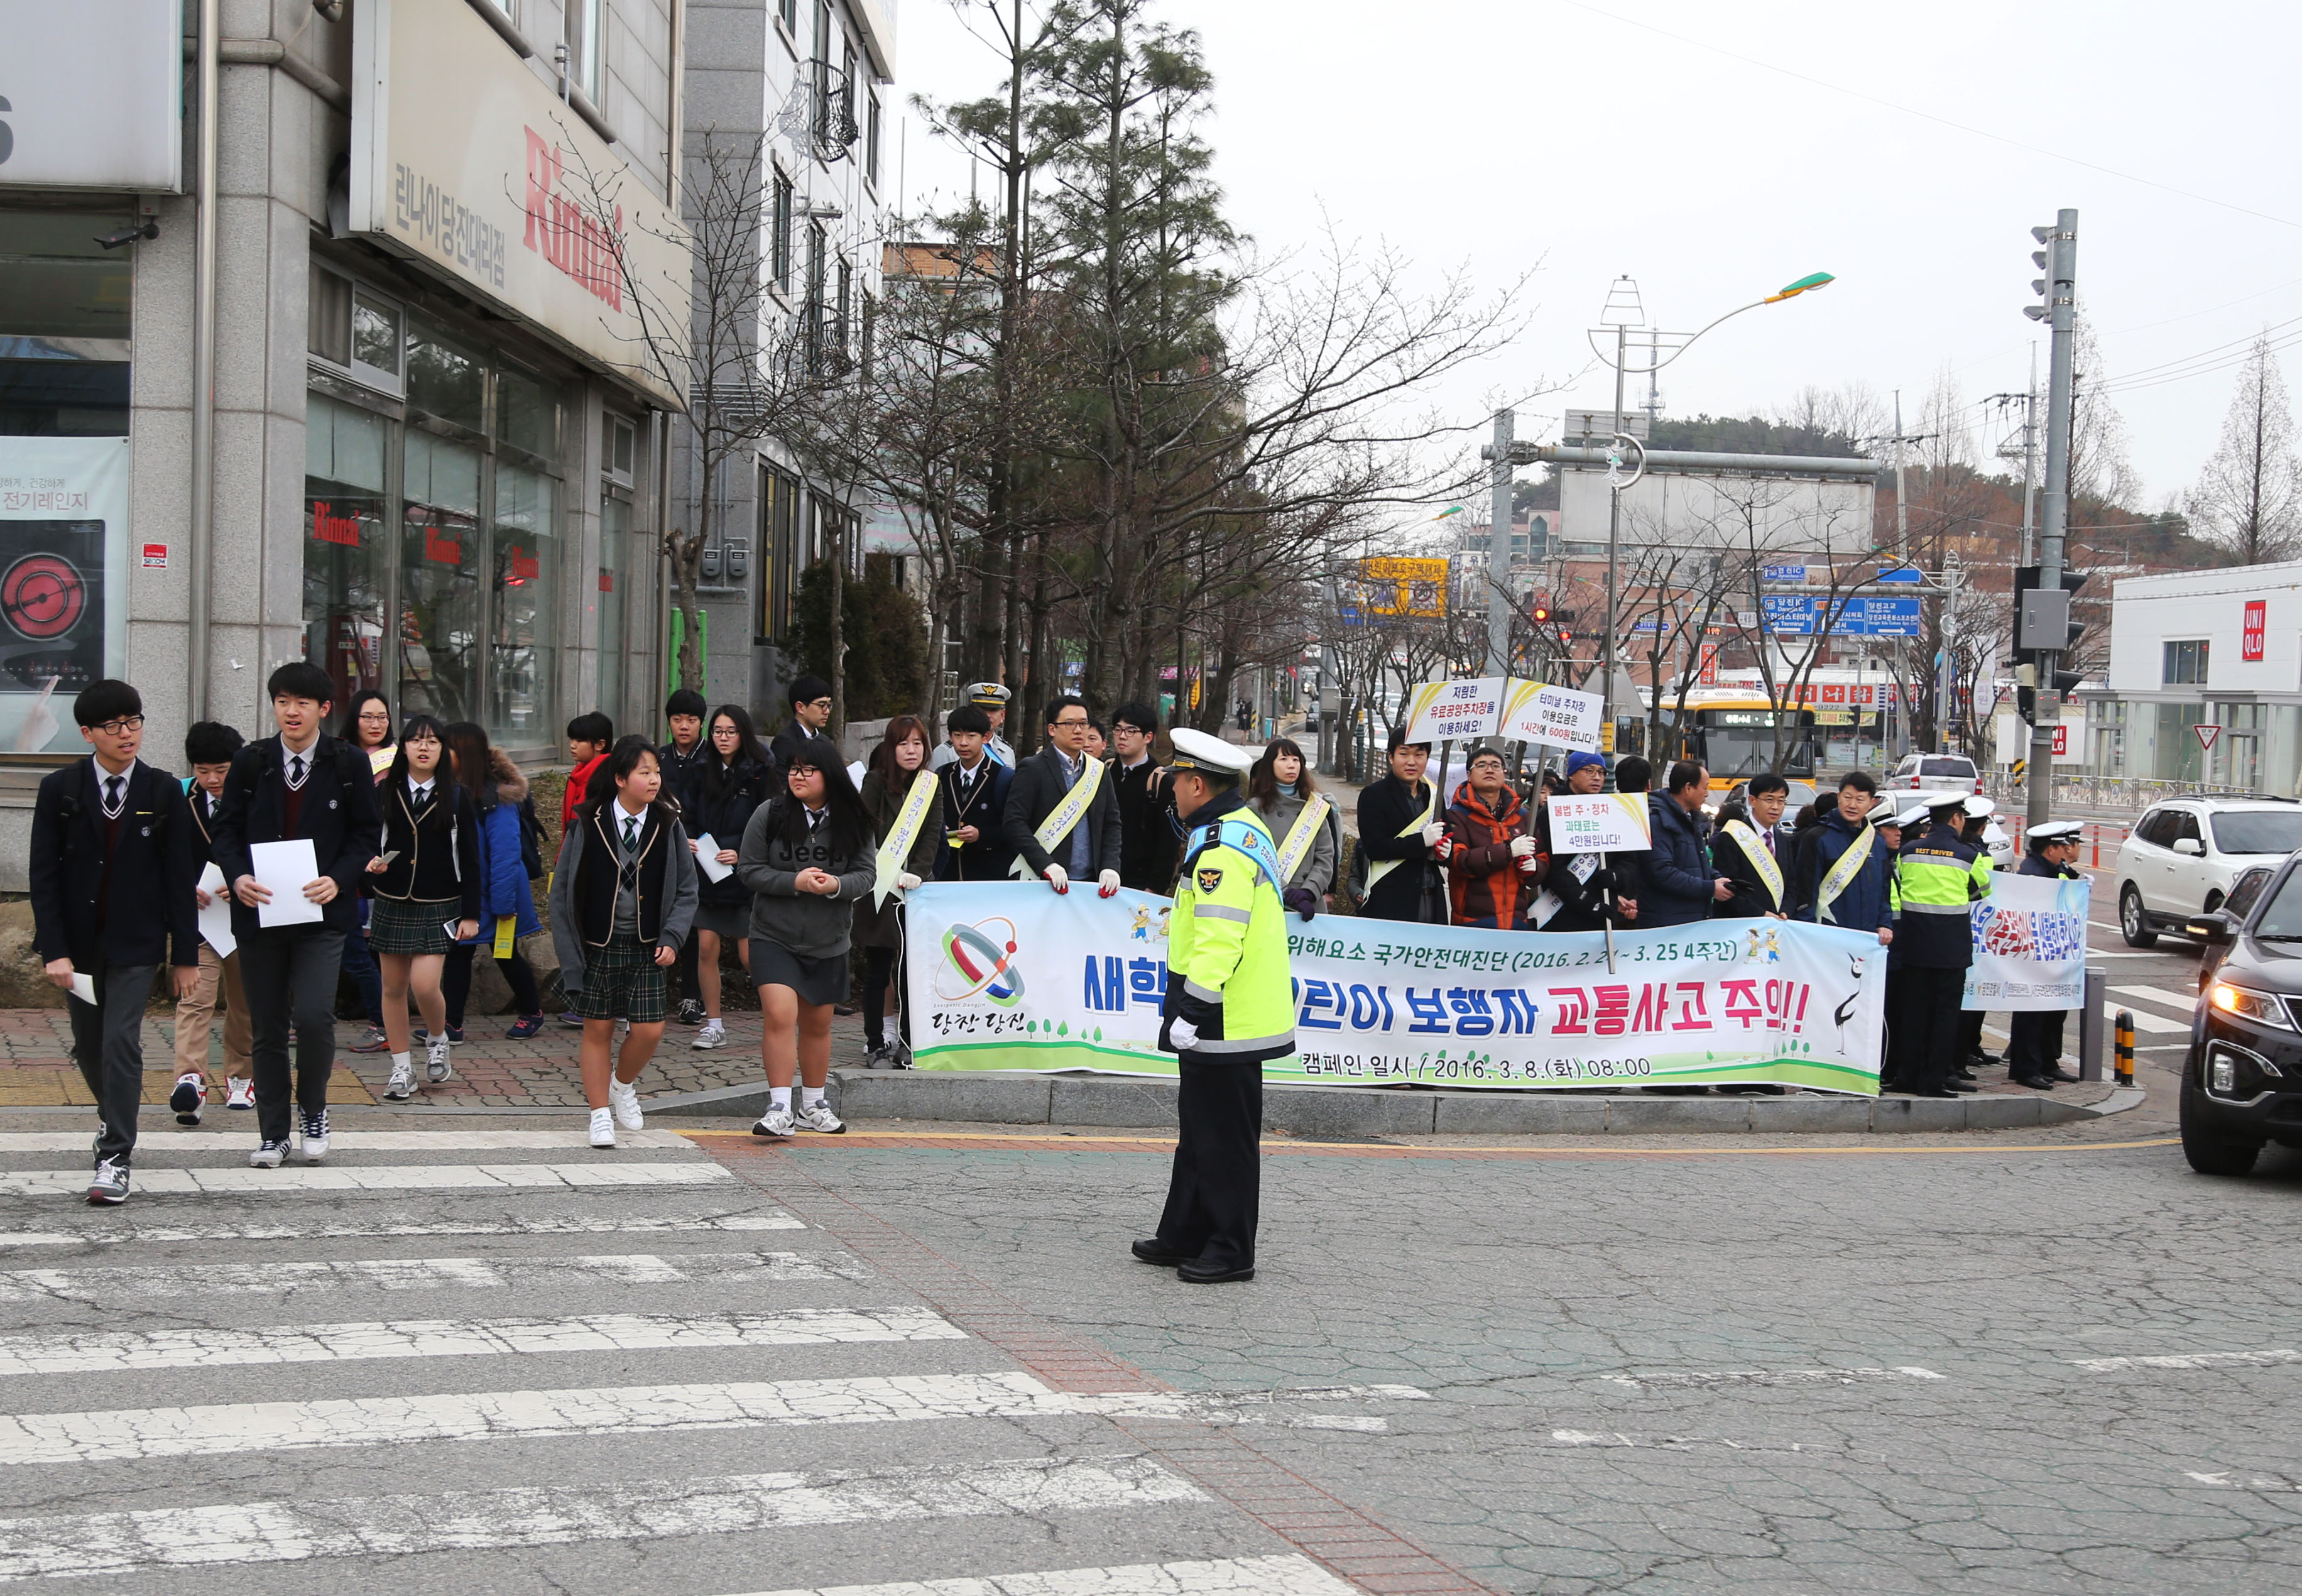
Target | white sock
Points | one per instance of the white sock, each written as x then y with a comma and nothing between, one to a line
810,1095
779,1097
399,1061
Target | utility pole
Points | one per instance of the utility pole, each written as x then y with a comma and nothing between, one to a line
2058,292
1498,544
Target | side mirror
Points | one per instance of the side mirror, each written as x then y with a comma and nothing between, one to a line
2190,846
2216,929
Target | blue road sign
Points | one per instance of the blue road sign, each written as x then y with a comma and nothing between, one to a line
1901,573
1800,615
1784,572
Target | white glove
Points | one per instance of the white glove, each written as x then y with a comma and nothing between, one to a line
1059,878
1521,846
1184,1035
1432,833
1107,884
906,880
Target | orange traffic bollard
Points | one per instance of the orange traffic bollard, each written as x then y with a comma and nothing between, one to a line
2125,1047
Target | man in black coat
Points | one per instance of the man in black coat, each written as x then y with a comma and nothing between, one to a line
1746,849
974,796
1680,884
1147,829
1091,846
301,784
1399,824
114,856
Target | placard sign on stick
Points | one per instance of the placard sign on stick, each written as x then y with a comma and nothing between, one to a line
1455,711
1538,713
1600,823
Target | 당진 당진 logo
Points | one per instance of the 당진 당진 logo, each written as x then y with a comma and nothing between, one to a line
978,961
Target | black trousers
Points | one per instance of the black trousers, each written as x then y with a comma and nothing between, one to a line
108,1045
1970,1034
881,966
1930,1028
1891,1052
2034,1044
1214,1193
685,983
289,975
456,981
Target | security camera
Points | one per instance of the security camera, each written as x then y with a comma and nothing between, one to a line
129,235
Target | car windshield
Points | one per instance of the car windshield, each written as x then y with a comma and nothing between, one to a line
2259,831
2281,918
1948,768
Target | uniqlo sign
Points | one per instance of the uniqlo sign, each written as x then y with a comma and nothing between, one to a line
2250,643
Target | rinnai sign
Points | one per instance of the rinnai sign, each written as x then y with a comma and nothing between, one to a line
2257,621
331,526
464,160
91,95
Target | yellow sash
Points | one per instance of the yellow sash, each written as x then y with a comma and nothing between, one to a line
1065,816
900,835
1379,868
1754,849
1300,836
1841,876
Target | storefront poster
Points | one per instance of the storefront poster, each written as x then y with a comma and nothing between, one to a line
63,559
2030,945
1012,977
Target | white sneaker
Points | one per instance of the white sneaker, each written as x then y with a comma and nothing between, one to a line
401,1087
315,1137
190,1092
603,1128
240,1093
436,1067
624,1103
712,1035
775,1122
270,1154
818,1116
108,1187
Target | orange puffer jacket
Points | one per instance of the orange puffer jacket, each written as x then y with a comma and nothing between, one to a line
1483,880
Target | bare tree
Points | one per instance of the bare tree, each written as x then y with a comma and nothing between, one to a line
2248,501
2099,468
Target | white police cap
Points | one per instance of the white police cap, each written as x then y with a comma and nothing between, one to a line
1978,806
2057,831
1195,749
989,695
1916,815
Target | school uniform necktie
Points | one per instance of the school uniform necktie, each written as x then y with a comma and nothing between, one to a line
112,798
296,770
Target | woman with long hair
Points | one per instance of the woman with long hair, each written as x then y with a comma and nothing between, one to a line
733,779
898,764
806,858
366,726
1304,823
622,899
496,789
427,888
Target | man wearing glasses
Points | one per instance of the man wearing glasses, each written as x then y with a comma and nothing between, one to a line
114,858
1063,818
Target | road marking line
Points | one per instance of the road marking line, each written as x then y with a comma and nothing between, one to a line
2252,1483
1060,1142
1704,1377
342,1140
573,1225
281,1532
1660,1443
305,1178
2191,1360
1290,1575
209,1431
406,1274
2155,1025
2180,1000
124,1351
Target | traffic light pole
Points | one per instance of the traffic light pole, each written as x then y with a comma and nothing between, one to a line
1499,546
2061,264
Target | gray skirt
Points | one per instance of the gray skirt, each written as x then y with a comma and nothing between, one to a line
816,981
729,920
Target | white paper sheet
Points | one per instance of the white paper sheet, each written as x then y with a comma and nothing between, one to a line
83,987
287,869
707,859
215,919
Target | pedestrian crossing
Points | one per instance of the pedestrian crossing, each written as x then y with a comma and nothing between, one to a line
237,1373
2159,1025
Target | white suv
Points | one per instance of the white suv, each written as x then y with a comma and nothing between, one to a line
2182,856
1935,773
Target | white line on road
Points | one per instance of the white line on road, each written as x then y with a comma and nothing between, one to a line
387,1229
85,1352
283,1532
2154,1025
406,1274
1699,1377
2191,1360
305,1178
209,1431
1660,1443
368,1141
2167,995
2226,1477
1290,1575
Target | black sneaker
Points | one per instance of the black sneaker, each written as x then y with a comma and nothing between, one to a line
691,1012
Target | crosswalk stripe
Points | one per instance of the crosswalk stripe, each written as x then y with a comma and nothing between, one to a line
408,1275
397,1177
565,1137
215,1429
66,1546
81,1352
113,1232
2180,1000
1287,1574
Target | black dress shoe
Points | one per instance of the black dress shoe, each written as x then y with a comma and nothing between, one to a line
1940,1091
2036,1083
2056,1072
1213,1274
1958,1088
1153,1251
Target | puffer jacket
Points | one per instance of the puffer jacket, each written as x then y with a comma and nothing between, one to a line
1484,885
882,926
504,887
1677,886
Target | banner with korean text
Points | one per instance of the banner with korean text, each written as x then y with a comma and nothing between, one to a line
1011,976
2030,945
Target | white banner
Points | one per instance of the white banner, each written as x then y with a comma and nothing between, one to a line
1010,976
92,95
1600,823
2029,945
1455,711
1540,713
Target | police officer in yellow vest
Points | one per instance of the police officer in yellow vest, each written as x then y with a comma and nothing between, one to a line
1229,1006
1938,876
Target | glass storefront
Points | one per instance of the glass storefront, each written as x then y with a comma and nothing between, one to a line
526,603
615,603
346,551
440,558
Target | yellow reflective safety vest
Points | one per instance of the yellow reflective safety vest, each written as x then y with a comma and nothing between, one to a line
1937,878
1227,940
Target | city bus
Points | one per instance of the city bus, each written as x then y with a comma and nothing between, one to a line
1732,732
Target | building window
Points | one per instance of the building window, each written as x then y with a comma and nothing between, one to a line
619,447
788,12
357,332
842,307
347,549
779,527
523,659
587,20
2186,664
812,312
869,331
872,138
780,236
439,598
614,602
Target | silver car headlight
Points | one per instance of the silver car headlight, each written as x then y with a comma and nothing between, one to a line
2249,1004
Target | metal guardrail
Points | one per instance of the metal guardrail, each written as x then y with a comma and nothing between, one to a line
2137,792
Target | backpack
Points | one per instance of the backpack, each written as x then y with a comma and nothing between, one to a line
531,839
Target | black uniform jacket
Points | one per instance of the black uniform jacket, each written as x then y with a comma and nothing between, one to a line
137,911
339,814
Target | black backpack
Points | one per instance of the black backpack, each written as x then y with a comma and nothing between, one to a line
531,839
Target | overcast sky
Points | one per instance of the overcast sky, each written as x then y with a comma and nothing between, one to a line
1509,134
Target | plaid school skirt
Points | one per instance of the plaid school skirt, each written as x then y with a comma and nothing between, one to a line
623,981
414,926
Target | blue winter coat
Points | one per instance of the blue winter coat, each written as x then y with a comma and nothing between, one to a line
1677,885
1864,906
504,887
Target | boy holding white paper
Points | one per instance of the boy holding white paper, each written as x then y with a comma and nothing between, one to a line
113,860
209,747
296,804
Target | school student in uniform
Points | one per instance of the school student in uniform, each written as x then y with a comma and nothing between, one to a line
736,777
623,898
115,854
974,802
498,793
299,784
426,886
366,726
807,857
898,764
209,747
